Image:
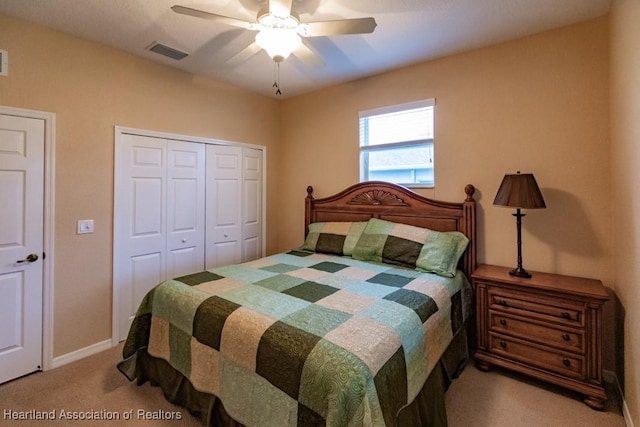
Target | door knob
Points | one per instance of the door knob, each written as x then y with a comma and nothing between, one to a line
29,258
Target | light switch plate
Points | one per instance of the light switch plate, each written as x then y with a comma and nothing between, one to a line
85,226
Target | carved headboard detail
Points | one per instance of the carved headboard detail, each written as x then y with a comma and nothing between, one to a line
391,202
375,197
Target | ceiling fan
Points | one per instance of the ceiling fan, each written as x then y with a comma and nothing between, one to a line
279,30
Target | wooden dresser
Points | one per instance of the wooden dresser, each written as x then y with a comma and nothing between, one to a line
548,327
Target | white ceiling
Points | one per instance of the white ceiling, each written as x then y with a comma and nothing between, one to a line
408,31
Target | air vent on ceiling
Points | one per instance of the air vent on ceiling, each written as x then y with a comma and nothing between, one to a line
167,51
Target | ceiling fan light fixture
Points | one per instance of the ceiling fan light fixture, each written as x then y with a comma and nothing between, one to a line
278,42
279,10
269,20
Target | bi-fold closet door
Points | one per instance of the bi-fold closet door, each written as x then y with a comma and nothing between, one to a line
234,205
180,207
159,216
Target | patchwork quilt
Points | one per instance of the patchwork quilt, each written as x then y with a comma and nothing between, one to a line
302,338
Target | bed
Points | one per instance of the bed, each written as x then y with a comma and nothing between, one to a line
365,324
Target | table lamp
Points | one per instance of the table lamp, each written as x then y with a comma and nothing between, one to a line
520,191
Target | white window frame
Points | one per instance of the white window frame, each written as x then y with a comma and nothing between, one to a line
366,149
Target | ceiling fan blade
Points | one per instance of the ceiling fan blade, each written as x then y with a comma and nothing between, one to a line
244,54
210,16
280,8
341,26
307,56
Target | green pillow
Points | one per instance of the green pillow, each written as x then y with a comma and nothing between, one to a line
441,252
415,247
337,238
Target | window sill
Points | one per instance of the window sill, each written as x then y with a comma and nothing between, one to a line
427,186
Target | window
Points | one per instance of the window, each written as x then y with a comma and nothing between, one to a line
396,144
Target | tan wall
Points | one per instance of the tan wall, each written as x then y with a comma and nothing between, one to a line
538,104
91,89
625,159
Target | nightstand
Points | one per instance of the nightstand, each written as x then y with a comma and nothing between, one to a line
548,327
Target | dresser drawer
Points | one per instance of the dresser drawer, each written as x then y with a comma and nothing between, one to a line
534,306
543,333
572,366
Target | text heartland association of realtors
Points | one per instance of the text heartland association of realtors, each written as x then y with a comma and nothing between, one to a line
90,415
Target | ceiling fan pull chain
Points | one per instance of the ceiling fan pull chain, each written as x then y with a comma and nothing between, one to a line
276,84
275,75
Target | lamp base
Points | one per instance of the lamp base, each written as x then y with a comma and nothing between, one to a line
520,272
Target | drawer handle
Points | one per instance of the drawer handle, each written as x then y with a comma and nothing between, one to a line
503,344
503,322
566,362
566,337
502,302
566,315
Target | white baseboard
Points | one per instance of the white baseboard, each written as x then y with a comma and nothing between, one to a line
611,378
81,353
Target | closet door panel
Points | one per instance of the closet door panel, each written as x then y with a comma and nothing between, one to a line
146,271
224,201
146,188
183,261
251,204
186,207
146,207
139,223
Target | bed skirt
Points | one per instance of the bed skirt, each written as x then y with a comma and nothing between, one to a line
427,410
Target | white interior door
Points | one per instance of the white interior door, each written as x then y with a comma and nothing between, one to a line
185,207
21,245
159,217
140,222
251,204
224,203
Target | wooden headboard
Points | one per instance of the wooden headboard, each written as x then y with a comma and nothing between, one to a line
391,202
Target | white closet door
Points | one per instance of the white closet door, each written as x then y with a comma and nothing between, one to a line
159,210
185,213
251,204
140,221
224,203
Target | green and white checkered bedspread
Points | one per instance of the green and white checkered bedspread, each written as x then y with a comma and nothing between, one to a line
302,338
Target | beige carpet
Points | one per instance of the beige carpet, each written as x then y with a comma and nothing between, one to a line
500,398
94,387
